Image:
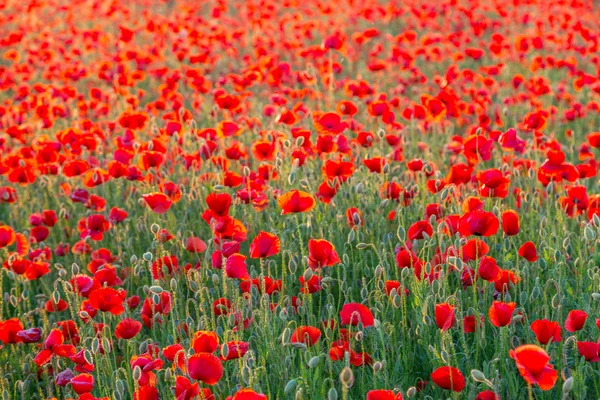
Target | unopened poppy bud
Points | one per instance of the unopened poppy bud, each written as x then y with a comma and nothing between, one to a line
332,394
478,376
568,385
147,256
411,392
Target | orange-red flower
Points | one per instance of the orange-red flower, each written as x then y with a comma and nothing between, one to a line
532,363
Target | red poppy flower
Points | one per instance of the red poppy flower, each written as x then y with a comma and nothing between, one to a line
82,383
449,378
546,331
205,342
510,223
528,252
205,367
473,249
9,330
7,236
478,223
195,245
589,350
309,335
295,201
575,320
158,202
500,313
235,267
248,394
444,316
416,230
382,394
235,349
108,300
355,313
532,363
321,253
488,269
127,328
487,395
264,245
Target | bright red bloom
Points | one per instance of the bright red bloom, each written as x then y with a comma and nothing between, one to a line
416,230
488,269
9,330
235,267
355,313
205,367
82,383
444,316
449,378
205,342
478,223
510,223
264,245
321,253
127,328
309,335
500,313
108,299
295,201
382,394
248,394
546,331
532,363
589,350
575,320
528,251
158,202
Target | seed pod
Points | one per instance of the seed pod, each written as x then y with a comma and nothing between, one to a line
347,377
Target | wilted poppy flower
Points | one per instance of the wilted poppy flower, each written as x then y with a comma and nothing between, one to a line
264,245
500,313
546,331
321,253
575,320
355,313
295,201
449,378
309,335
532,363
528,252
205,367
444,316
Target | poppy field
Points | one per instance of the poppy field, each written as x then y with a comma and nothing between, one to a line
299,199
